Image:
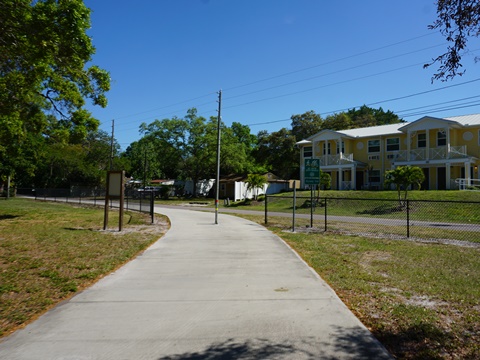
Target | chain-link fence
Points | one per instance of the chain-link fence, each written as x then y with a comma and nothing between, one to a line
133,198
444,221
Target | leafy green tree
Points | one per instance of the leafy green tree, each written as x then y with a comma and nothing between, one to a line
278,153
325,180
306,124
403,177
366,116
143,160
61,164
458,20
187,148
341,121
45,55
255,182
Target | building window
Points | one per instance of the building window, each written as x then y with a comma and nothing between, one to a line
441,138
393,144
340,147
326,148
422,141
373,146
374,176
307,151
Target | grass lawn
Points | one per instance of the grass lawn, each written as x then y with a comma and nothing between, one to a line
49,251
422,301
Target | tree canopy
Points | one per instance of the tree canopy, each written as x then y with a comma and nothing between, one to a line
186,148
310,123
44,78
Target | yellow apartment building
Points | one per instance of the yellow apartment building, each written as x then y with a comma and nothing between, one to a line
445,148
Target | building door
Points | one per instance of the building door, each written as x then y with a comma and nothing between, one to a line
359,180
426,182
462,172
441,178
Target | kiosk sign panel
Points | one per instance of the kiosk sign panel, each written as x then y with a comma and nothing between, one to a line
312,171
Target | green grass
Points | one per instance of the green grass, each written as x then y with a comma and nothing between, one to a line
49,251
422,301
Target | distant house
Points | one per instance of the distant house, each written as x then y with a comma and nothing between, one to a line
235,187
202,189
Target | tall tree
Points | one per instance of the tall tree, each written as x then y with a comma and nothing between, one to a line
341,121
458,20
277,153
306,124
366,116
44,53
189,146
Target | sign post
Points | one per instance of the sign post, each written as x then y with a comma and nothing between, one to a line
115,190
312,177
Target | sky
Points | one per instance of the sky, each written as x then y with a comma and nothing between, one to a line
272,59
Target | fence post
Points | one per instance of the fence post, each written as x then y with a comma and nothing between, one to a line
294,204
408,218
266,209
311,206
152,202
325,214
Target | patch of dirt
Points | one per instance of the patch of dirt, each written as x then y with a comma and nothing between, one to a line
371,256
160,227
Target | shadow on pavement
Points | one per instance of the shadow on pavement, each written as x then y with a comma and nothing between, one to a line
351,343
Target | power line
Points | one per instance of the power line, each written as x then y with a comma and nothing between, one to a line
382,101
166,106
323,86
437,104
331,62
336,72
280,75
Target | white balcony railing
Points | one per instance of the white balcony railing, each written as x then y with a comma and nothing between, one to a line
338,159
346,185
458,152
438,153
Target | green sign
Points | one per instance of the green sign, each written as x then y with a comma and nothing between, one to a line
312,171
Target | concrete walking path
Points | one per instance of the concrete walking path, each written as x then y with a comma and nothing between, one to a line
203,291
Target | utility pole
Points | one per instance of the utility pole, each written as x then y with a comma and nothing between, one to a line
111,145
218,155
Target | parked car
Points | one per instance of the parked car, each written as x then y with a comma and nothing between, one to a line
145,192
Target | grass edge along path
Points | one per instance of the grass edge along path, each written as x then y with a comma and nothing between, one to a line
422,301
50,251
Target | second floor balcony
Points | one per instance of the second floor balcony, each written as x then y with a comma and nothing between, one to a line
338,159
438,153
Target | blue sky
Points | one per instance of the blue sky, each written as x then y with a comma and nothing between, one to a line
272,59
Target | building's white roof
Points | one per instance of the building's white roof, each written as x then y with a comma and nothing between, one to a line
390,129
466,120
394,129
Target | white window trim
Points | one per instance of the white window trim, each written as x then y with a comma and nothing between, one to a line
310,151
418,140
397,144
368,147
438,138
